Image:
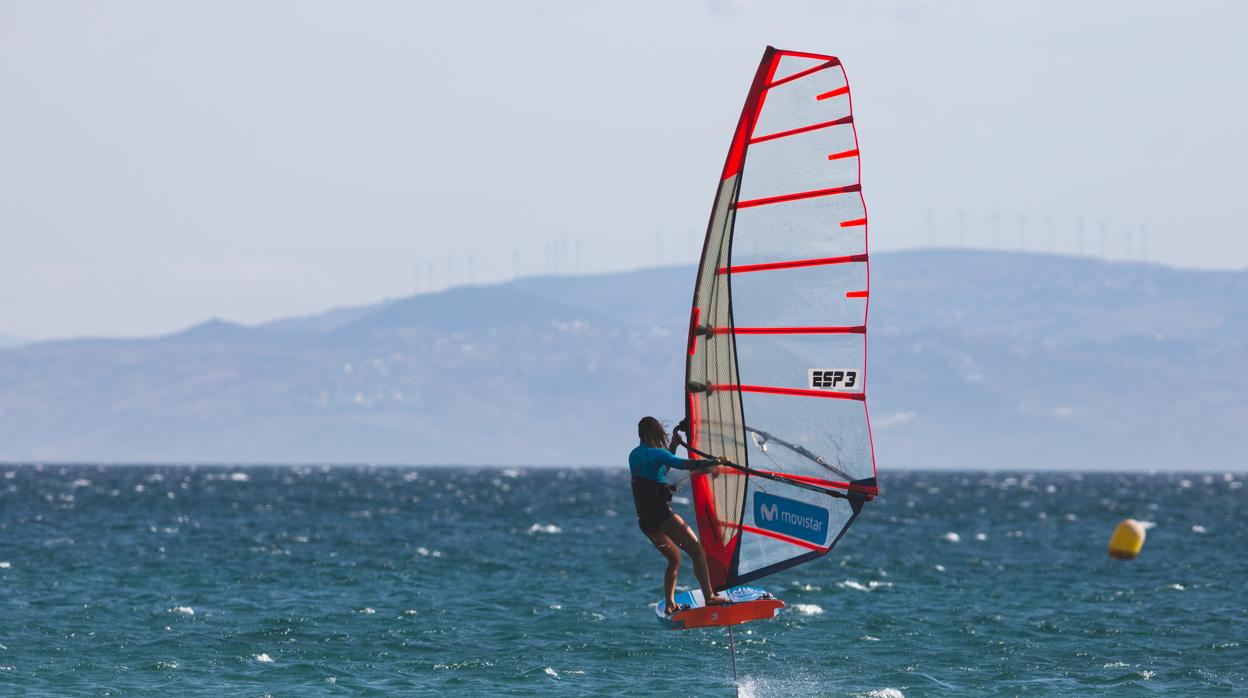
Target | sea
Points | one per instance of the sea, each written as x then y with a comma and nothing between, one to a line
379,581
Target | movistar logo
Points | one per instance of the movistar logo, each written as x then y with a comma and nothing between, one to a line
791,517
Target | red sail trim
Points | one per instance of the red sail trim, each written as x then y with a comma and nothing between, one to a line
695,418
866,312
853,223
792,264
872,491
800,392
869,492
802,129
693,327
804,54
749,113
779,536
779,199
834,93
719,552
762,97
844,154
856,294
856,329
803,73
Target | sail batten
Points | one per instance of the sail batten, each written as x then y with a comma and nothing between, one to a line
761,345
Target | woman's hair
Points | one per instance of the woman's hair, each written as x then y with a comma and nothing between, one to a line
652,432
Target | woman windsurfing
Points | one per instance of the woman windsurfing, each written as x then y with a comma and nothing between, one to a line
649,463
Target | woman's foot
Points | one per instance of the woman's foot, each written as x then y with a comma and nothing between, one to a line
717,600
671,607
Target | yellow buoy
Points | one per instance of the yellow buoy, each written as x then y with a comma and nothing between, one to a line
1127,540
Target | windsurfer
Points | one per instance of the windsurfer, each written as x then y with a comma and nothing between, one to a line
669,533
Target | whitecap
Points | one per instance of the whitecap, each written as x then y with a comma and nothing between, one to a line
883,693
264,658
1176,587
1146,675
548,528
240,477
411,612
1199,529
1148,524
368,611
551,672
808,609
868,638
981,536
951,537
184,610
940,568
1114,665
680,500
80,483
4,565
511,472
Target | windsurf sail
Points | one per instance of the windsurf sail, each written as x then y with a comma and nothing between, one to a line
776,367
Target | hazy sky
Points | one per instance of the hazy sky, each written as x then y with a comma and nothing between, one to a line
162,163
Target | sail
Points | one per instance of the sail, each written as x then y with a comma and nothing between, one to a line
776,367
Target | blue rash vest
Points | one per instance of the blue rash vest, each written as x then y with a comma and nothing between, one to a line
653,463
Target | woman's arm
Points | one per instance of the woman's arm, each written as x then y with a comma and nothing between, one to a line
679,463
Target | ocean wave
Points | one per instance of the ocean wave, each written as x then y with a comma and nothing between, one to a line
882,693
869,586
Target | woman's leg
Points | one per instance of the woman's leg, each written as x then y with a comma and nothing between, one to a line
670,551
678,531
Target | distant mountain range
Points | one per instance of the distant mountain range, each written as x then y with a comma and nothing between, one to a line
978,360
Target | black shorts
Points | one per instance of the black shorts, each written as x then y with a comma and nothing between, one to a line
654,520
